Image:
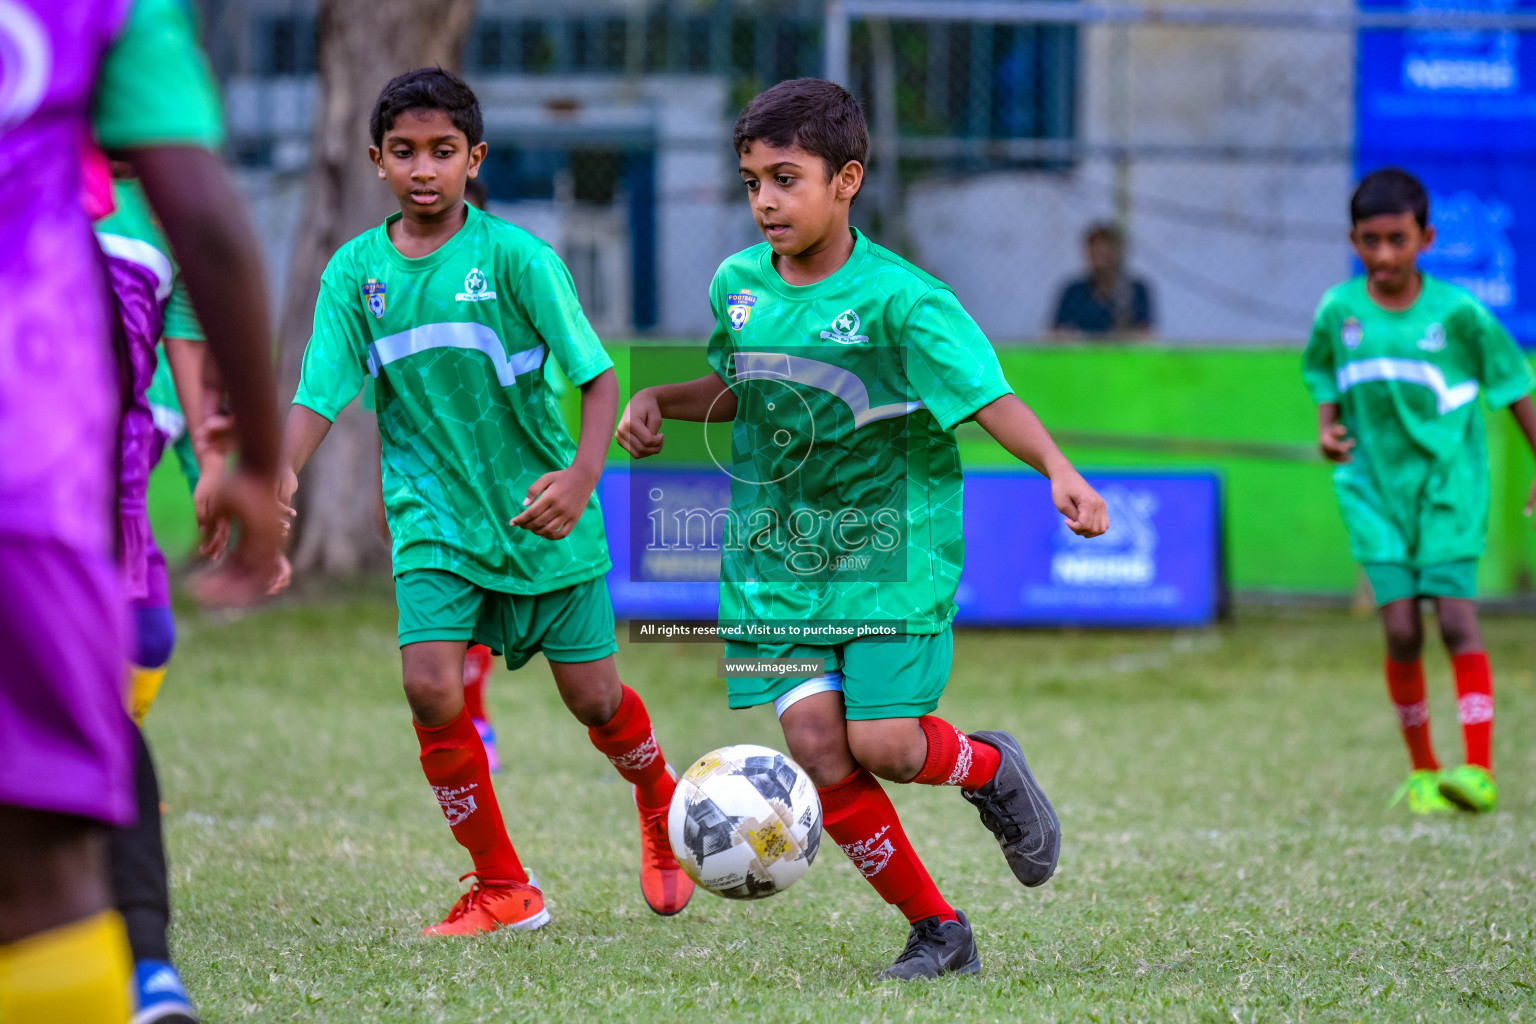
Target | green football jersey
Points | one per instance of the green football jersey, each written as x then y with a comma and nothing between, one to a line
1407,382
154,87
846,482
165,407
456,343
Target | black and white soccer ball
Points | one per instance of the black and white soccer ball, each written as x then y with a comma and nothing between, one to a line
745,822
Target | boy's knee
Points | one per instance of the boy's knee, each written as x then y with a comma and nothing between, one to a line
434,701
896,754
822,752
594,708
1459,629
826,767
1404,634
1405,646
592,692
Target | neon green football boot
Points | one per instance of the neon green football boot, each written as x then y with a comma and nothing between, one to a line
1470,787
1422,788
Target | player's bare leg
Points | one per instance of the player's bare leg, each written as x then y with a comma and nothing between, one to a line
859,817
433,677
1469,786
53,871
1459,628
817,736
1404,631
591,690
55,910
892,748
453,759
620,727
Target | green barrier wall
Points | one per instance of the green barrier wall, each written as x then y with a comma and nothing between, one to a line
1245,414
1241,412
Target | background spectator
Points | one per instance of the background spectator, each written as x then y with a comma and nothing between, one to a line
1106,301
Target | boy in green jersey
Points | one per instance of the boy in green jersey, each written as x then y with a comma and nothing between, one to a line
1396,362
497,537
844,371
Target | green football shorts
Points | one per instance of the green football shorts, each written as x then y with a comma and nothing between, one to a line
1396,581
903,678
572,624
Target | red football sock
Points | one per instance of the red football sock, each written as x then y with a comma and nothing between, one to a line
1405,683
954,759
1474,703
630,743
859,817
477,669
454,761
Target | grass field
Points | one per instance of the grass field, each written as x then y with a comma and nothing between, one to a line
1228,854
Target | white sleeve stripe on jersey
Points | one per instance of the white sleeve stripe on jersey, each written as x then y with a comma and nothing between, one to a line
136,250
455,335
1409,371
834,380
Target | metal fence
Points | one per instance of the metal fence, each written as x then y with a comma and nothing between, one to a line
1221,140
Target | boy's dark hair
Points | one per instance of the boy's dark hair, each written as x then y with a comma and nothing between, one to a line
820,117
427,89
1386,192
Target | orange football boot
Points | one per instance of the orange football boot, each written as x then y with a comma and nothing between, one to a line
488,908
665,886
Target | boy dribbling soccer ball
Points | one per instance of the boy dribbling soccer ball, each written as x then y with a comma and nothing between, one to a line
497,538
844,371
1396,363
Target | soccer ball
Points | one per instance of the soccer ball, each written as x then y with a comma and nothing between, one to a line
745,822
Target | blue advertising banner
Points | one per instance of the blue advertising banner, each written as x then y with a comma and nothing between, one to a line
1458,109
665,551
1159,565
1472,93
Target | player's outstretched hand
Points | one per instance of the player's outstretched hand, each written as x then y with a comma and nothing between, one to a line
214,442
215,532
287,487
1530,503
639,430
1075,498
555,503
246,572
284,575
1335,443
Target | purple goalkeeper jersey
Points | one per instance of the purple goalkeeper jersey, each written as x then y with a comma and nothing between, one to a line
58,398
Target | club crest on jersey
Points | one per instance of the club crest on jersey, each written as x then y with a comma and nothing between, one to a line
373,297
845,329
1351,333
474,287
1434,338
738,308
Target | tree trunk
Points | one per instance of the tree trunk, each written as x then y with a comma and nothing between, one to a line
363,43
